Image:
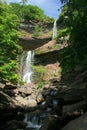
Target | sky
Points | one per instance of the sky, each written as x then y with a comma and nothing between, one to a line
50,7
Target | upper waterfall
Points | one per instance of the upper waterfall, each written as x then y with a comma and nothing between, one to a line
54,30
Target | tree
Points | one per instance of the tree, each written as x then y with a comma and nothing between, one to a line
29,12
9,48
74,57
16,8
24,1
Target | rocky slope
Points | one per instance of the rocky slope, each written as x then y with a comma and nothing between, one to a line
62,100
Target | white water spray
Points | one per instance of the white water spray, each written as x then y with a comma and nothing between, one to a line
21,66
28,70
32,121
54,30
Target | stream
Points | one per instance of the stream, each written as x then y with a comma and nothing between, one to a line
32,120
47,108
35,120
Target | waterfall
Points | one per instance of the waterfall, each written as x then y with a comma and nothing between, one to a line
32,121
54,30
21,66
28,69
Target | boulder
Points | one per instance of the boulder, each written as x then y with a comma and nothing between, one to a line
14,124
77,124
6,101
10,86
50,123
21,101
80,106
71,95
39,98
25,90
32,103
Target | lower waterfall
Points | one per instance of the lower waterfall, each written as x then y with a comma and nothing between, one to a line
28,70
26,66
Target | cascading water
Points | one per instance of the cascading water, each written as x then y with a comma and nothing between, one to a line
28,70
21,66
33,121
54,30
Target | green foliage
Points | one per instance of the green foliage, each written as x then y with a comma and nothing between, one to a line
75,55
62,32
63,17
8,44
39,69
33,13
38,75
37,31
39,85
17,9
8,72
29,12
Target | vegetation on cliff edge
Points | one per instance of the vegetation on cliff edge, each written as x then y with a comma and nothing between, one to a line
74,23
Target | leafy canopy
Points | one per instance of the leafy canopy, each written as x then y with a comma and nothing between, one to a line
8,44
29,12
74,18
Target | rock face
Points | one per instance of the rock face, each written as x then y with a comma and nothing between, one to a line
14,124
49,123
39,98
68,101
77,124
61,101
24,90
27,39
33,43
32,103
6,101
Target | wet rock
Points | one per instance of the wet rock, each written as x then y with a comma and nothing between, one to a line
48,101
9,92
21,101
25,90
14,124
10,86
39,98
80,106
2,85
25,103
28,129
8,115
32,42
53,93
71,95
51,123
32,103
6,101
77,124
46,86
76,87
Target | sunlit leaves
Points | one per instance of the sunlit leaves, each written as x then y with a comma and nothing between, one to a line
76,54
29,12
8,44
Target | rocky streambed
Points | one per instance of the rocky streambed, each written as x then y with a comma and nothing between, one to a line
26,107
60,105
